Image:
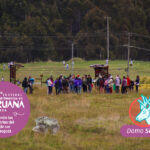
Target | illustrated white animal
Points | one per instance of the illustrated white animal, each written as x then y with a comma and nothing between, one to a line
145,110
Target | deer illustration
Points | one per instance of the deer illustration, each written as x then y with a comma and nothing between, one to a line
145,110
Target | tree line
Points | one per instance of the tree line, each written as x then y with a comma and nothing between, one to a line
45,30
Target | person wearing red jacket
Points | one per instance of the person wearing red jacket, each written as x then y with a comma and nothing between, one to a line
128,83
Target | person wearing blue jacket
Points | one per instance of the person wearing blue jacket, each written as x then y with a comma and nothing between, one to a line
76,85
57,86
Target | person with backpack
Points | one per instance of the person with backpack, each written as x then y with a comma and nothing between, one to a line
30,84
25,85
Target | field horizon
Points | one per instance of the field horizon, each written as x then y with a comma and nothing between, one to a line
81,67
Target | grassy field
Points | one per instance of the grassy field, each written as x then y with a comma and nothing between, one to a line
81,67
87,121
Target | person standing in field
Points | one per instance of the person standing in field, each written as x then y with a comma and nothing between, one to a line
137,83
106,87
89,83
67,67
110,83
52,80
71,83
79,85
84,84
107,61
30,84
64,63
128,84
76,84
65,85
132,85
131,63
25,85
117,83
57,86
50,85
124,85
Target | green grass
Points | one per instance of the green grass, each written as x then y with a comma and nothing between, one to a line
87,121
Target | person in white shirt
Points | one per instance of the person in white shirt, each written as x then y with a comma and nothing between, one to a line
50,85
131,62
117,83
64,63
107,61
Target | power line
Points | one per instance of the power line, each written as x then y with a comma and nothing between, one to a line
48,49
96,33
139,48
57,36
140,35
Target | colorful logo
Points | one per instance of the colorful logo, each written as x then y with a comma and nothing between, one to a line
139,111
14,109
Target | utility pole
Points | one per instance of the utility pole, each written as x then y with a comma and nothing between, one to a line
135,47
108,18
128,53
72,57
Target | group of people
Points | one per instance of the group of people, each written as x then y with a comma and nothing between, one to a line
74,84
77,84
125,85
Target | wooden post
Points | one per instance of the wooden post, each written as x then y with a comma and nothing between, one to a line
13,74
128,66
13,70
41,79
